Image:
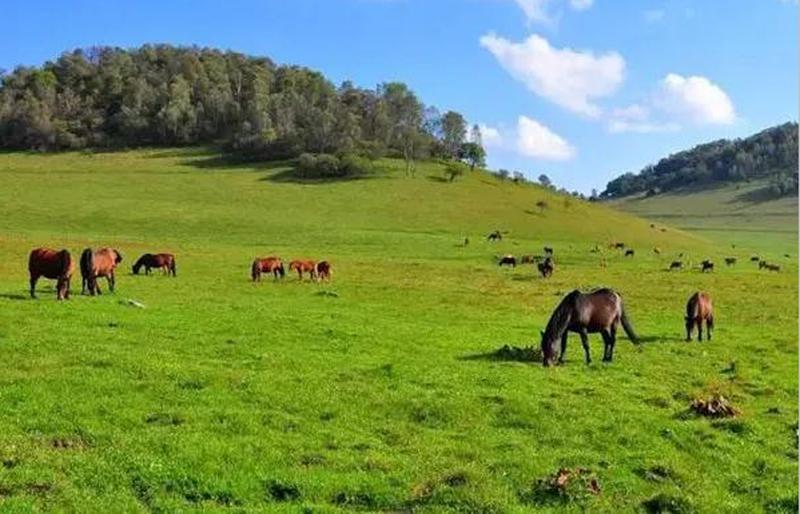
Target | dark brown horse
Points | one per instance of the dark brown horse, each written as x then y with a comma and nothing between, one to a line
676,265
699,309
53,264
599,311
267,265
507,260
768,266
730,261
301,267
323,271
163,261
98,263
707,265
629,252
548,250
495,236
546,268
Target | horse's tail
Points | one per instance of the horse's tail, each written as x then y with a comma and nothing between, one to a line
255,270
87,263
172,267
626,324
281,270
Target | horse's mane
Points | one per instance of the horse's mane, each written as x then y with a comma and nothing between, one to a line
560,319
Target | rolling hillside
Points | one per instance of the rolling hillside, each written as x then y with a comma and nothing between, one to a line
386,389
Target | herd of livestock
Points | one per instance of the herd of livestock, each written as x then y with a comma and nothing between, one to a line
600,311
94,264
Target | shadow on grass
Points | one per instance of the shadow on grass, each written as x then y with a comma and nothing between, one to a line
757,196
657,339
440,180
507,353
16,296
289,176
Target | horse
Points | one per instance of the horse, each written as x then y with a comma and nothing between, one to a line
301,267
98,263
546,268
495,236
707,265
676,265
267,265
619,246
163,261
699,309
730,261
323,271
629,253
768,266
53,264
599,311
755,258
508,260
548,250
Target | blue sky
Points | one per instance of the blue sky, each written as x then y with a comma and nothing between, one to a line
582,90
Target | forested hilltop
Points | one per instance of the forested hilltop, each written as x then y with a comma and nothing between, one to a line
166,95
770,154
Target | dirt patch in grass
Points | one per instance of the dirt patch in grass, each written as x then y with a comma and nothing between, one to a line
714,406
567,485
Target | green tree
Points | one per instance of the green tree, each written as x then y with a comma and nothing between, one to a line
454,132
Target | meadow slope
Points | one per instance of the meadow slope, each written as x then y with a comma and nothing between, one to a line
379,390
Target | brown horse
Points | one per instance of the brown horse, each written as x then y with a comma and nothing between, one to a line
599,311
267,265
495,236
323,271
768,266
53,264
507,260
699,309
301,267
707,265
546,268
730,261
629,253
98,263
163,261
676,265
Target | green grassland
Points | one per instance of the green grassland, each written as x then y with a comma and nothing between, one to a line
740,213
377,391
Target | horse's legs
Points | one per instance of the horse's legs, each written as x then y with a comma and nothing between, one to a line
563,347
709,327
585,343
110,280
699,329
34,278
689,324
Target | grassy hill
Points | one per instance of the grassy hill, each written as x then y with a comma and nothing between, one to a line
381,390
739,213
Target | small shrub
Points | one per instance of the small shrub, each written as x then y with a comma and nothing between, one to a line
280,491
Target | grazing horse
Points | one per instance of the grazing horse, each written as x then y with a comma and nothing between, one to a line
323,271
619,246
546,268
508,260
698,309
267,265
495,236
599,311
707,265
768,266
730,261
676,265
163,261
98,263
629,252
548,250
755,258
53,264
301,267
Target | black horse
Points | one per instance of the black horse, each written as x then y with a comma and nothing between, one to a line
599,311
508,260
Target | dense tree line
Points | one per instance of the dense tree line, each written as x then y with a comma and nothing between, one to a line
771,154
165,95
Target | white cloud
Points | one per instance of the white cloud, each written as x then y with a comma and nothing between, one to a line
694,99
536,140
491,136
654,15
569,78
580,5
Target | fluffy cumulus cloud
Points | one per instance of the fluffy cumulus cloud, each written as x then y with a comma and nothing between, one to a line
491,136
569,78
694,99
537,141
636,118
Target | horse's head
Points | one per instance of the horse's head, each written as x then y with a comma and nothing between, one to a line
117,256
548,350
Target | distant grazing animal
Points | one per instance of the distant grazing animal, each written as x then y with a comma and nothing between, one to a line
599,311
707,265
527,259
96,264
495,236
619,246
699,309
676,265
53,264
548,250
323,271
663,230
755,258
546,268
652,225
301,267
466,241
267,265
163,261
657,250
730,261
508,260
768,266
629,253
